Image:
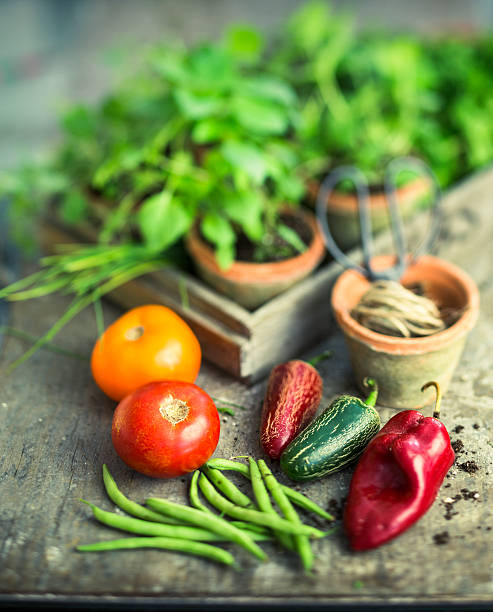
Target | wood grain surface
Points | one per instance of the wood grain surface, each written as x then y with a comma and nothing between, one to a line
55,436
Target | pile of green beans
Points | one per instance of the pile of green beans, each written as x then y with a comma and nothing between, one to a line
186,528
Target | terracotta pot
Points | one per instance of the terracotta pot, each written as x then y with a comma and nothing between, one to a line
342,210
252,284
402,365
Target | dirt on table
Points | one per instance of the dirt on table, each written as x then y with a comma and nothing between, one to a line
441,538
471,467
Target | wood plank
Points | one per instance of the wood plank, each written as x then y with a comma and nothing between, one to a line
55,435
289,323
205,300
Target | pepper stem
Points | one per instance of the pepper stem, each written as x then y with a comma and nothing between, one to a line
371,383
433,383
318,358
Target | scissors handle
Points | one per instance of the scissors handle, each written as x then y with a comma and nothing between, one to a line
413,163
363,198
363,195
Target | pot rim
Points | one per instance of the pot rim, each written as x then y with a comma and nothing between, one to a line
244,271
397,345
342,202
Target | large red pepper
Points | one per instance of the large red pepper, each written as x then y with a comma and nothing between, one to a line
397,477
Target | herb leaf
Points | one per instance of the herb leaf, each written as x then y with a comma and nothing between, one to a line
162,220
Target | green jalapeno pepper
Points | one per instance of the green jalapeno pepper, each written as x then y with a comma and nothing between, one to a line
335,438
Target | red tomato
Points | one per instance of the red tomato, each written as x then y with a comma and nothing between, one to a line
145,344
166,428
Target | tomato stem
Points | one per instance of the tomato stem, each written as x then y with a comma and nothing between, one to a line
134,333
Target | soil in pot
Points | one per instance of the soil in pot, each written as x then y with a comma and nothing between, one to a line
277,249
250,283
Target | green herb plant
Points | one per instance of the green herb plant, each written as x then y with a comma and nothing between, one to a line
225,134
363,94
199,135
370,96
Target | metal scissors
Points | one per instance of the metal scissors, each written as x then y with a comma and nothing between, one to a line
363,194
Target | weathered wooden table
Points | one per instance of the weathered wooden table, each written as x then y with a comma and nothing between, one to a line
55,436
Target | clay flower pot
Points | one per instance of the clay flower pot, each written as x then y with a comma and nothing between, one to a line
251,284
402,365
343,216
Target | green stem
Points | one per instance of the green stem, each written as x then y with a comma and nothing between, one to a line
82,302
118,219
39,291
334,100
318,358
21,284
182,287
76,307
18,333
371,400
225,410
227,403
438,401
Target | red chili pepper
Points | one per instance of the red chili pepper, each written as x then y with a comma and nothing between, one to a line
397,477
293,394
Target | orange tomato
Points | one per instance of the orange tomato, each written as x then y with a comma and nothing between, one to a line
146,344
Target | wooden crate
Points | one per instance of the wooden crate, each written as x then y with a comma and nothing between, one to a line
244,343
247,344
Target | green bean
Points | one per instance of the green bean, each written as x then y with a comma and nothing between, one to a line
227,487
302,543
264,503
253,516
196,503
129,506
148,528
194,494
211,521
186,546
228,464
306,503
250,527
295,496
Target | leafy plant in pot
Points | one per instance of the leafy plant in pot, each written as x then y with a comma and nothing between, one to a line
238,190
195,144
363,98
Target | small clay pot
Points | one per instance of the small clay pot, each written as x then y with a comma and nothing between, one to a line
252,284
402,365
342,210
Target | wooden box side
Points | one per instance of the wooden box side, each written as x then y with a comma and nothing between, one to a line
242,343
223,331
297,319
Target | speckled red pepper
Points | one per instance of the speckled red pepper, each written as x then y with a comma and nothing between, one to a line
397,478
293,394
